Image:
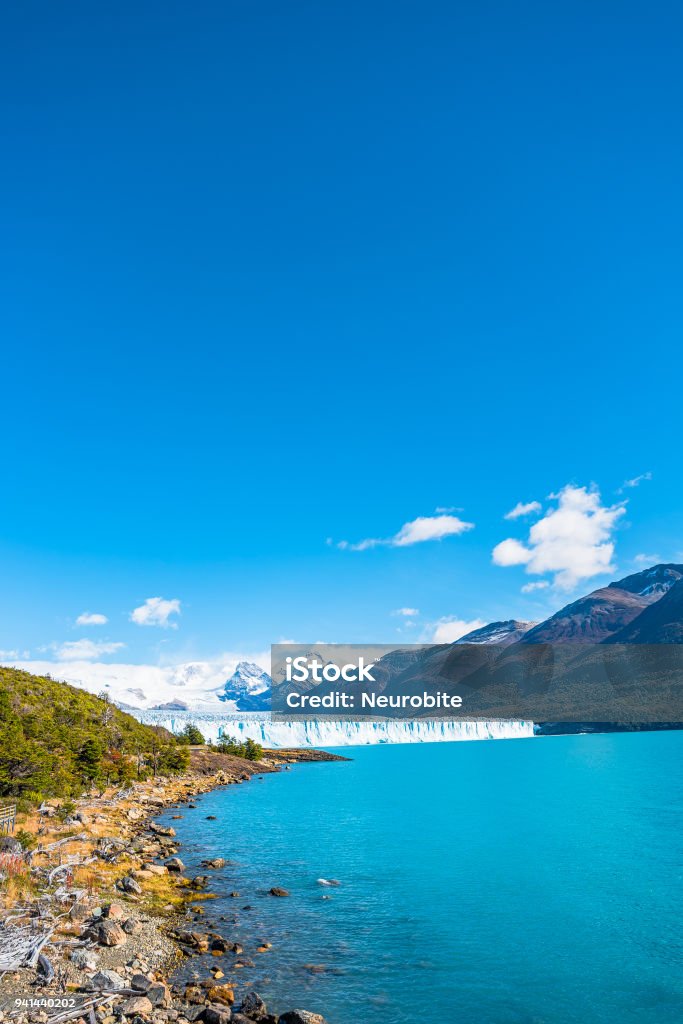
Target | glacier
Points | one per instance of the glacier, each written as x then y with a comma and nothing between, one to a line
260,727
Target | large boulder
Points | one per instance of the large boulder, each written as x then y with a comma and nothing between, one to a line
217,1014
128,884
161,830
137,1005
301,1017
253,1006
277,890
175,864
110,933
221,994
159,994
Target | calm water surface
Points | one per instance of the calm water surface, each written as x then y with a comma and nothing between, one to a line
533,881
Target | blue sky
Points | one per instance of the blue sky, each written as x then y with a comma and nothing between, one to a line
276,277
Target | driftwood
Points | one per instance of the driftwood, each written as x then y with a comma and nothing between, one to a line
20,946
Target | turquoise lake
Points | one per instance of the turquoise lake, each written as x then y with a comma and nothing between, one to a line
532,881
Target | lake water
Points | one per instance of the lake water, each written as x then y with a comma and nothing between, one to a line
532,881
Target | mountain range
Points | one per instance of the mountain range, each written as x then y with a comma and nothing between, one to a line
643,608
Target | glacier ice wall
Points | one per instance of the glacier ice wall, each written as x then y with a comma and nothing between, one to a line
261,728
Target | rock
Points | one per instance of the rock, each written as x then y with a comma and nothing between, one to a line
216,863
175,864
128,884
194,995
156,869
278,891
234,895
217,973
131,926
109,933
159,994
79,912
161,830
211,817
107,981
84,958
199,881
253,1006
301,1017
113,911
193,1013
137,1005
140,982
219,944
217,1015
221,994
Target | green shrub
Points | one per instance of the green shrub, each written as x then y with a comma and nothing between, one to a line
27,839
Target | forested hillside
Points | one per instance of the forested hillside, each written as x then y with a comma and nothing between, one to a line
56,740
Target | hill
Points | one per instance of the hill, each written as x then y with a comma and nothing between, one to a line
56,740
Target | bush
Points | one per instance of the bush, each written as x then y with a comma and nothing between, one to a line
248,749
27,839
173,760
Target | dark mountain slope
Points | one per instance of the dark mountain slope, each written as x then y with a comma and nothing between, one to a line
660,623
604,612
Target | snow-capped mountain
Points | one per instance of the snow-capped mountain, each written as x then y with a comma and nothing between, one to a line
248,688
608,610
501,633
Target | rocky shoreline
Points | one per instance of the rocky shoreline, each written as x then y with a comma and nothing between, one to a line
107,893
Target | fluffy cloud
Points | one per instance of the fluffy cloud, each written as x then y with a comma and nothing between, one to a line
417,531
156,611
408,613
86,650
572,541
448,629
91,619
522,509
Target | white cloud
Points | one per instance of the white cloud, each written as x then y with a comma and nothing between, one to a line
573,541
529,588
156,611
644,559
86,650
634,482
407,613
417,531
522,509
197,683
9,657
91,619
449,629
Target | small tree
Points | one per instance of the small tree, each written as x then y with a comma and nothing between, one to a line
191,735
89,759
